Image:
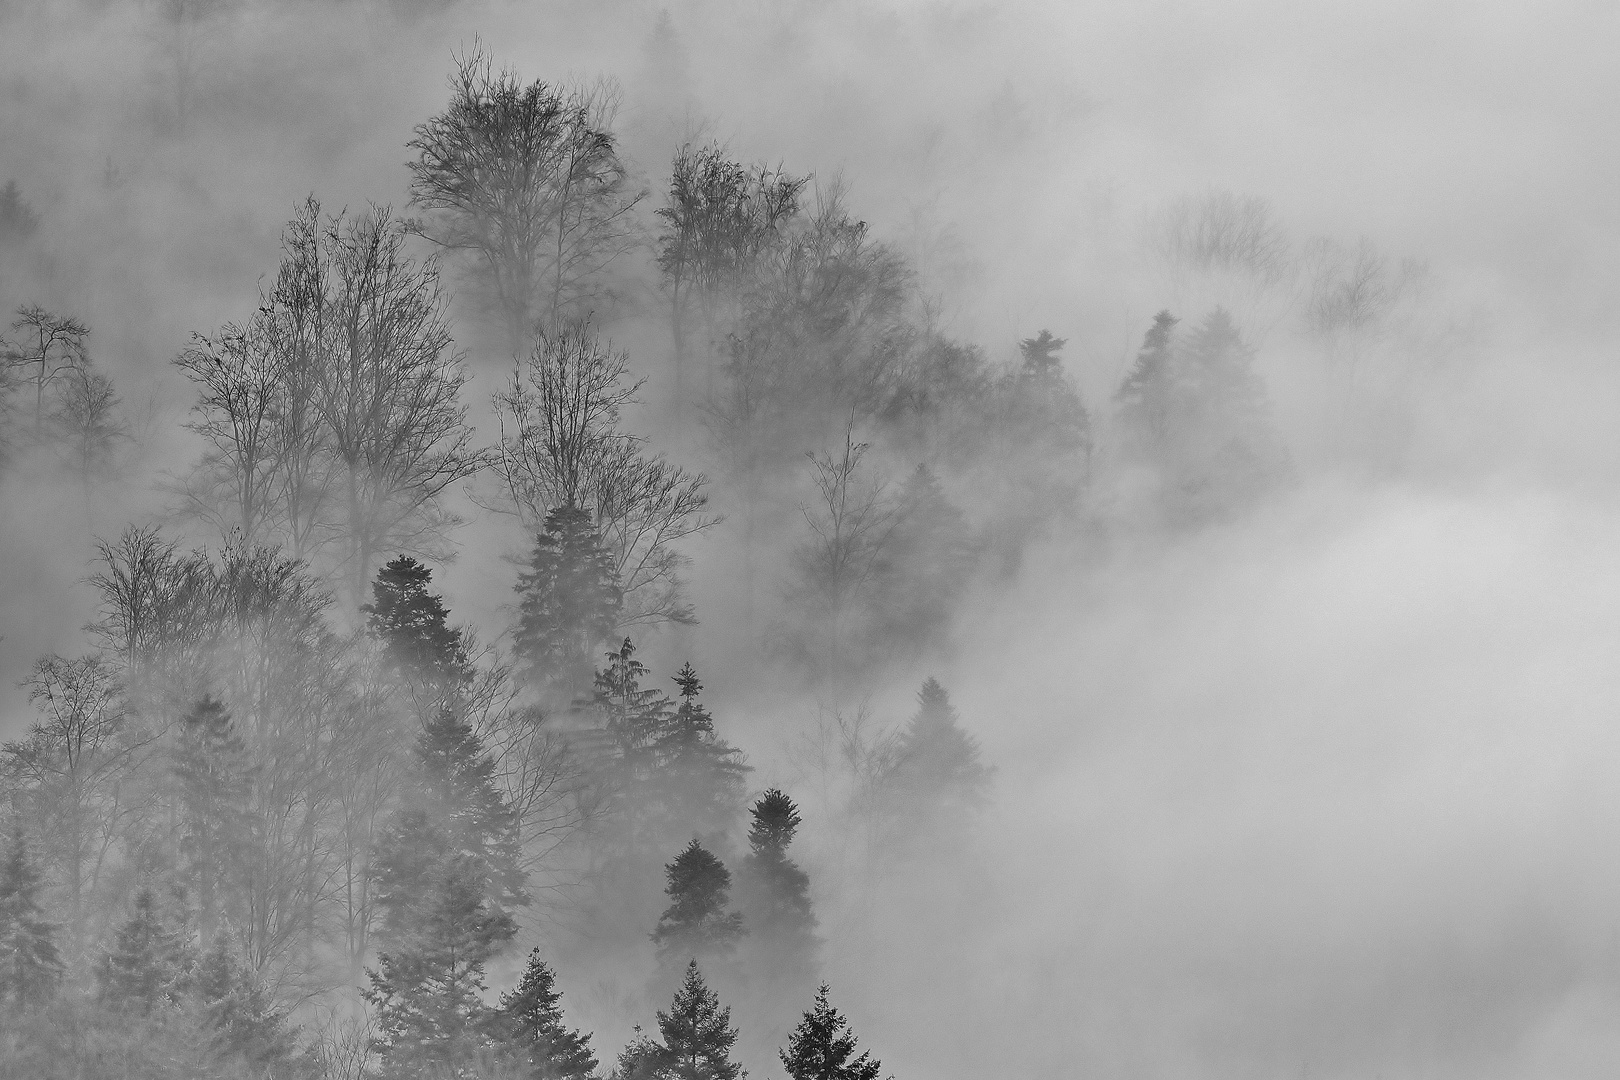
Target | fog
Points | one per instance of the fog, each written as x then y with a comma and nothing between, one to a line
1322,789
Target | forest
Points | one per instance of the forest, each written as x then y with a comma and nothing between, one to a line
523,569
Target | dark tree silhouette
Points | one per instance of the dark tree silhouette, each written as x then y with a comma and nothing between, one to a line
697,1038
150,964
775,893
696,923
412,624
697,777
570,603
1146,397
30,966
822,1047
533,1031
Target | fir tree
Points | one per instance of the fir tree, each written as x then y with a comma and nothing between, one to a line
1146,397
698,777
937,773
1040,355
413,626
532,1029
775,892
929,554
427,996
150,963
571,600
30,967
821,1047
246,1024
216,837
696,923
697,1039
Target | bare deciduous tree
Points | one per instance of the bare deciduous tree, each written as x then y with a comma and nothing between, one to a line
44,348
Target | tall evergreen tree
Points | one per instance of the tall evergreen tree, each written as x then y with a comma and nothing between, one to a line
775,892
532,1029
214,776
1040,355
698,777
247,1026
697,1038
571,601
928,556
1146,398
413,626
150,964
821,1047
937,775
696,923
30,966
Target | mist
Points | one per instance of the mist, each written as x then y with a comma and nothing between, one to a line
1303,769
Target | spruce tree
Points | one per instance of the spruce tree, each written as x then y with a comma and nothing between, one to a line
697,1038
929,554
150,964
246,1025
571,601
1147,396
937,775
696,923
698,778
532,1029
216,827
413,626
30,967
821,1047
1040,355
775,892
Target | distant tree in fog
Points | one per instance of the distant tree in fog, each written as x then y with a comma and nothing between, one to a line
42,350
696,1035
936,776
30,965
527,179
561,445
217,843
427,654
1146,397
570,603
822,1047
697,782
929,556
774,892
719,217
18,222
87,422
532,1029
150,963
696,924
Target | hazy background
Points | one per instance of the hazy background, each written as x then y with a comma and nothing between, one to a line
1326,793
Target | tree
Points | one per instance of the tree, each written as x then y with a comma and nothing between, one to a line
216,828
696,922
87,421
775,892
927,559
427,653
697,777
526,179
532,1028
1147,396
571,602
821,1047
936,774
247,1026
45,348
150,964
18,221
697,1039
30,966
719,217
561,446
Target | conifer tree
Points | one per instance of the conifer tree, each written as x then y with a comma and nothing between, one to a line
696,923
1146,397
413,626
698,777
821,1047
246,1024
697,1039
216,832
1040,355
30,966
775,892
929,554
571,600
533,1032
150,963
937,773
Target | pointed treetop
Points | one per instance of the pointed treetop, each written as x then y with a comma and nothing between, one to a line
1040,353
776,819
687,680
821,1048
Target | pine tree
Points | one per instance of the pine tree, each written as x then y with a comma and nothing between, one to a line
427,996
1146,397
929,554
697,1039
1040,355
775,892
413,626
571,601
532,1029
216,832
698,777
937,774
696,923
820,1048
246,1024
30,967
150,963
461,820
